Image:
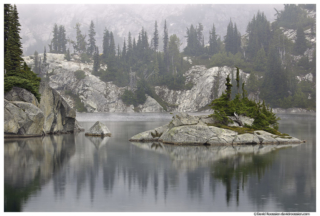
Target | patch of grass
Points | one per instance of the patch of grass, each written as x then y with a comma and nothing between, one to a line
250,130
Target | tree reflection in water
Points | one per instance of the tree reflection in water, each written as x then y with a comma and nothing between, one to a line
31,163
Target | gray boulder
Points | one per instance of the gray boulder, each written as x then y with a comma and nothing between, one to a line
20,94
21,118
98,129
183,118
59,116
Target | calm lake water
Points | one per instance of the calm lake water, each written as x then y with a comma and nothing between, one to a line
76,173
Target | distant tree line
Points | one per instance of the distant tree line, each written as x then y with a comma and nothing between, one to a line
263,52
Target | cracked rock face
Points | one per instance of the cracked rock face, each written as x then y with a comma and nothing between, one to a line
59,117
22,118
205,83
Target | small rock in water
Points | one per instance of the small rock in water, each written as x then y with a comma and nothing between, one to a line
98,129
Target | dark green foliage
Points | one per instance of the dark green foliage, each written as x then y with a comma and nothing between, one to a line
45,56
228,59
17,74
59,40
194,41
224,107
84,57
304,63
233,39
301,43
129,97
92,40
274,86
155,37
213,42
292,16
13,58
31,86
80,45
96,61
259,34
79,74
67,55
36,62
260,60
7,8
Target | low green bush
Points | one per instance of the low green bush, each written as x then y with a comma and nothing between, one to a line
79,74
30,85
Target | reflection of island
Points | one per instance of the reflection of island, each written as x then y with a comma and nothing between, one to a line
228,164
192,157
30,163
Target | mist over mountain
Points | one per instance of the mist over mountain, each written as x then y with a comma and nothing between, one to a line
37,20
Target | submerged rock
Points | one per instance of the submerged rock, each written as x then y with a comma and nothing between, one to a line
98,129
191,130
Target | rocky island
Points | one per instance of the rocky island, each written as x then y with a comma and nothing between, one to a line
185,129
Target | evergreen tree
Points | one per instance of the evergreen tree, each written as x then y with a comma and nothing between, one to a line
124,50
54,41
44,56
301,43
92,40
260,60
232,39
67,55
112,46
274,86
62,40
165,37
105,44
259,33
194,41
36,62
229,42
80,40
14,42
155,37
7,12
16,74
173,51
165,46
96,60
213,43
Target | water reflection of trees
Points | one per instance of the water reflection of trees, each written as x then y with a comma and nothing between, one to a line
239,168
233,166
30,163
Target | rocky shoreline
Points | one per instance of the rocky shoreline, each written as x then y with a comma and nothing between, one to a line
185,129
